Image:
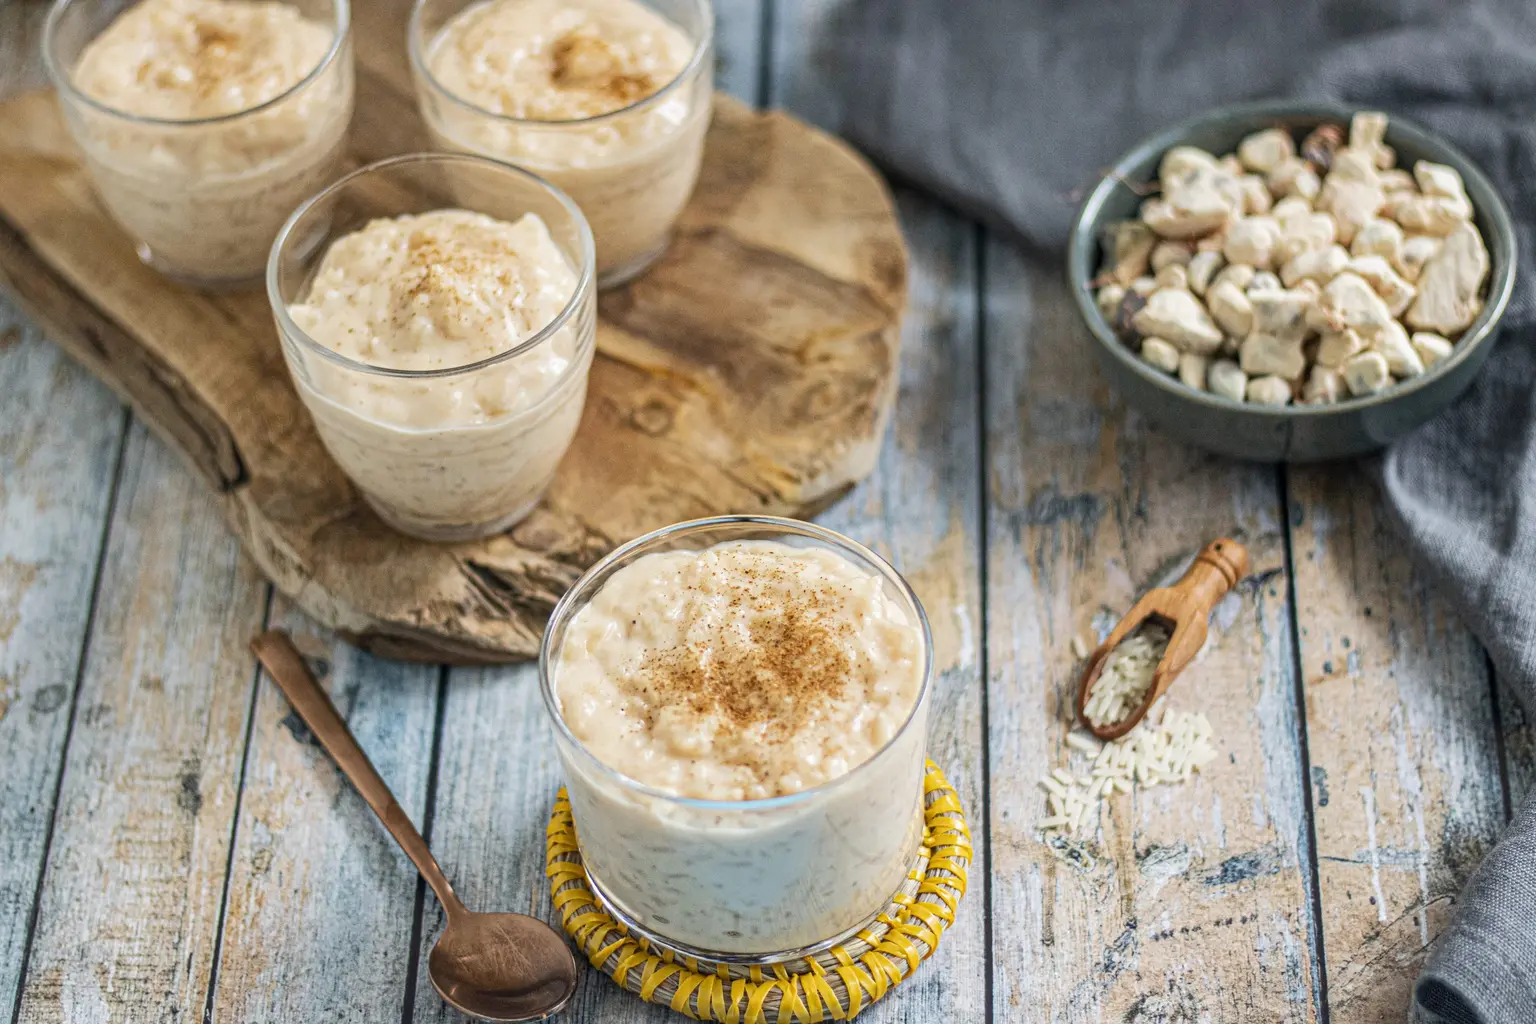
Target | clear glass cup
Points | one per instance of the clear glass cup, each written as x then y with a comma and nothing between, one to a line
203,199
439,480
727,880
631,170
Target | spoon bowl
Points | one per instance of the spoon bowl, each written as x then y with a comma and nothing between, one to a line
502,967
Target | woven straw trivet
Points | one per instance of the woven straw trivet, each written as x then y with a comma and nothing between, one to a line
832,985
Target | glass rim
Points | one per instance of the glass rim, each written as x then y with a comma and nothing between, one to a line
564,608
701,48
584,280
63,79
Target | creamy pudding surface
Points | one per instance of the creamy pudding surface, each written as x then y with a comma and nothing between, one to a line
748,670
562,60
545,84
183,60
445,290
239,137
440,290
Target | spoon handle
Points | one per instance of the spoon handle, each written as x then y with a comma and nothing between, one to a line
275,650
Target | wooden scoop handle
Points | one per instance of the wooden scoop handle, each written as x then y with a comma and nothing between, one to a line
1189,602
1216,570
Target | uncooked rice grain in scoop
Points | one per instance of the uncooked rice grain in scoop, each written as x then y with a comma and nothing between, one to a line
1127,675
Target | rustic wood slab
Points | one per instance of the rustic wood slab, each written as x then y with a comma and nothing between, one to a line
751,370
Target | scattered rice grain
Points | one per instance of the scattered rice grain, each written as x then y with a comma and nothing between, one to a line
1149,755
1083,742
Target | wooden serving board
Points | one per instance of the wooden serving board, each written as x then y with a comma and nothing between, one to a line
751,370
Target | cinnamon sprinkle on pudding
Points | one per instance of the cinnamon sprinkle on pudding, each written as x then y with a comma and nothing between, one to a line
747,670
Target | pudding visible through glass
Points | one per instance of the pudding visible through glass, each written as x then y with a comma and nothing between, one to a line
203,123
740,707
608,99
441,351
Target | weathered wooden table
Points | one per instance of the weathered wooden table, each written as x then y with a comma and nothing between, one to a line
172,850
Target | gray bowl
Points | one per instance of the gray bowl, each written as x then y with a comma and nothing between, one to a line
1301,433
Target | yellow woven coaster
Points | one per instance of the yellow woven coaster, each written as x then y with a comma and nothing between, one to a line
833,985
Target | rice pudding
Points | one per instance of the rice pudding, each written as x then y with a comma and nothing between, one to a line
578,91
743,672
205,122
439,453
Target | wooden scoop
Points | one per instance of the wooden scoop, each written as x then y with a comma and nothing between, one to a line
1183,609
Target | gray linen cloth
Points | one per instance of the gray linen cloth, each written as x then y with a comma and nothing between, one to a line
1010,109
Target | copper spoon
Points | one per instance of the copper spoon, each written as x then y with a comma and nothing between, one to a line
500,967
1185,610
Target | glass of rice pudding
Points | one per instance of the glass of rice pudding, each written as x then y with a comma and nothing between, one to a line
740,706
203,123
608,99
437,313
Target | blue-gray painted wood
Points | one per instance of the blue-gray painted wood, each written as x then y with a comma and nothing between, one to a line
1400,728
130,906
60,438
496,784
800,80
738,48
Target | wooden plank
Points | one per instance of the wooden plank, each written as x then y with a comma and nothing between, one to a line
921,507
922,510
320,900
21,65
1195,904
60,440
1519,744
800,78
699,401
738,49
1400,728
141,842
